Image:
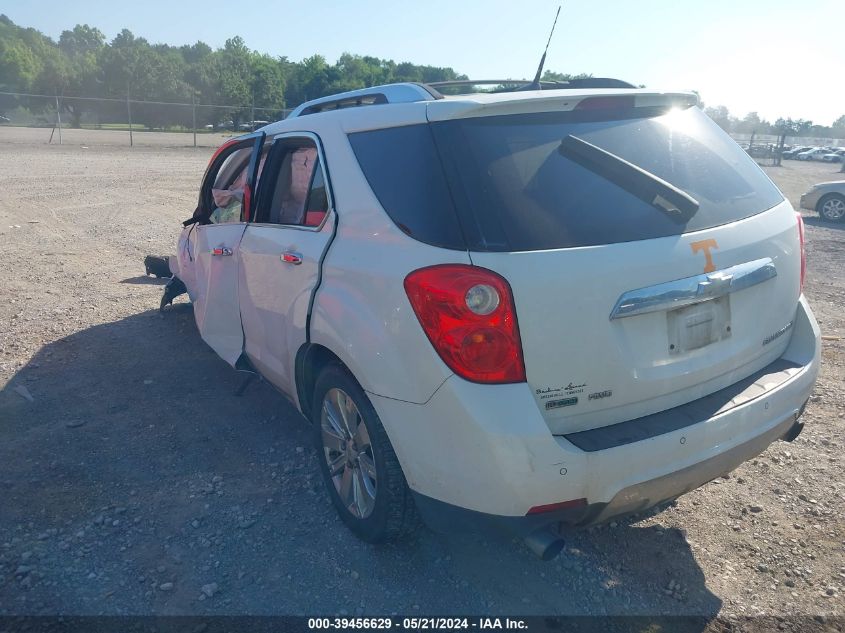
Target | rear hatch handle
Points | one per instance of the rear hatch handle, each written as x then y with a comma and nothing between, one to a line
691,290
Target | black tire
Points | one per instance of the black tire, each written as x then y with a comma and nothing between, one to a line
393,514
824,209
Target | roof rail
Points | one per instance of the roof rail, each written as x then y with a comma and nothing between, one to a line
584,82
389,93
411,92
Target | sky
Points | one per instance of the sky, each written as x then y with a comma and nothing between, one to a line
780,58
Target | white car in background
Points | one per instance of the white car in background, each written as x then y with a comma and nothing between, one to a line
835,156
812,154
518,309
827,199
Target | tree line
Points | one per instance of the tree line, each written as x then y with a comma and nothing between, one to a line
84,64
751,123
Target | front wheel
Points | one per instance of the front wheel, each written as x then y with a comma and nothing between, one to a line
832,207
357,460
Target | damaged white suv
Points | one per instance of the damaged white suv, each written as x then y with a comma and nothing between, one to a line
518,308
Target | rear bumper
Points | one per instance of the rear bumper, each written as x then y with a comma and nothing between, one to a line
485,453
445,517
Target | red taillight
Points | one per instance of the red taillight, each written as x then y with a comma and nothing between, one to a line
803,250
551,507
605,103
476,333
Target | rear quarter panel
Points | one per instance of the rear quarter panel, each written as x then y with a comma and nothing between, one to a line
361,312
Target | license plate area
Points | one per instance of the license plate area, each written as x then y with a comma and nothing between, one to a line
699,325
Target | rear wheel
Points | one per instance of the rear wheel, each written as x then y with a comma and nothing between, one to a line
359,466
832,207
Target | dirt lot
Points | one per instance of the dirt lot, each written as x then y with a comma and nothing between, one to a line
134,481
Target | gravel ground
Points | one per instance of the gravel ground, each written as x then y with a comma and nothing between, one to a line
134,481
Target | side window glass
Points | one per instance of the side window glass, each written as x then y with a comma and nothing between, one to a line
299,195
227,192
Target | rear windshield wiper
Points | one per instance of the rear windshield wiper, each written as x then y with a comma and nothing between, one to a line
651,189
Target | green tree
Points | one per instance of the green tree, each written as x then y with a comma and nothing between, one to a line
268,82
793,127
228,78
19,65
551,75
82,39
312,79
72,69
195,53
750,123
722,117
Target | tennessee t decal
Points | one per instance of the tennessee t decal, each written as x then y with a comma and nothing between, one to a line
705,245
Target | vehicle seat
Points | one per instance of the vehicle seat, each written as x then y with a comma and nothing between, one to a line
314,218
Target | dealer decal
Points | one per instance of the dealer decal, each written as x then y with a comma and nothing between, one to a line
705,245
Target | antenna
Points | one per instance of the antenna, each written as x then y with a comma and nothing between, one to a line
535,85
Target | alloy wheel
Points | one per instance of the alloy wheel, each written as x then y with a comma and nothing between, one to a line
833,209
348,453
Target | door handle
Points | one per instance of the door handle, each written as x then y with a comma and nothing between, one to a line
289,257
224,251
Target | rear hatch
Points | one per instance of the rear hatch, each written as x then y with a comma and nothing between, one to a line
652,262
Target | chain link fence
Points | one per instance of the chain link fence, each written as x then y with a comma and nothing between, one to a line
28,118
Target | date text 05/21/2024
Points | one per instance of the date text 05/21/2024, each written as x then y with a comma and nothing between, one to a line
418,623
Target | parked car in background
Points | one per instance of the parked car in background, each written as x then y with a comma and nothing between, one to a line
812,154
835,156
252,126
827,199
513,309
792,153
760,151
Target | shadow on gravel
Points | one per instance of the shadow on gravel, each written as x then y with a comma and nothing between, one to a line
824,224
146,280
136,482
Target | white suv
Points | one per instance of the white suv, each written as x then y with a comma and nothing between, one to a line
519,308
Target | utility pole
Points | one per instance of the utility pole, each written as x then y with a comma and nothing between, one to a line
194,118
129,114
59,118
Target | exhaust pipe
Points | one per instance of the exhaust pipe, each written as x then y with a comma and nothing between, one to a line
794,431
545,544
797,426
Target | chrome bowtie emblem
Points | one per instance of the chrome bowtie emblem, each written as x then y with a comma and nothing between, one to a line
716,284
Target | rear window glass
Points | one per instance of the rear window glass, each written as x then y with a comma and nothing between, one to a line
404,171
512,188
515,190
